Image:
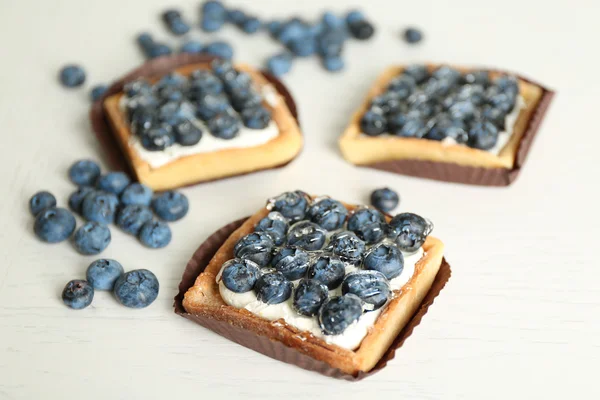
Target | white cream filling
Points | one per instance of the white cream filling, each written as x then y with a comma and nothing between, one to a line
351,337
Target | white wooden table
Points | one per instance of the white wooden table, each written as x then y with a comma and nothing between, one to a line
518,319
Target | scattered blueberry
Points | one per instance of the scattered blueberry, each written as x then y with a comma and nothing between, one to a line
309,296
361,30
307,235
235,16
76,198
329,270
219,49
303,46
275,225
333,63
273,288
103,273
175,22
330,43
159,50
186,133
224,126
338,313
40,201
91,238
373,123
372,287
292,262
155,234
291,30
78,294
97,92
100,207
137,193
384,199
239,276
113,182
72,76
483,135
214,16
368,224
329,214
273,27
256,247
132,217
137,288
84,173
386,259
54,225
292,205
409,231
192,47
256,118
170,206
413,35
250,24
347,246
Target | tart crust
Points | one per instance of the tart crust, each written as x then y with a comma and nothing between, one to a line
209,166
204,299
364,150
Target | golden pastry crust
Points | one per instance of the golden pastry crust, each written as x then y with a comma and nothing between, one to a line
212,165
204,299
362,149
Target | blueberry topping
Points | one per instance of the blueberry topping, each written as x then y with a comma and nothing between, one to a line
78,294
211,105
309,296
224,126
280,64
155,234
239,276
402,86
84,173
347,246
100,207
409,231
53,225
113,182
273,288
371,287
170,205
338,313
292,205
443,127
483,135
132,217
192,47
368,224
386,103
41,201
219,49
502,101
494,115
256,247
243,98
478,77
373,123
462,110
329,214
137,193
103,273
307,235
384,199
292,262
508,85
97,92
137,288
203,83
329,270
72,76
275,225
385,258
413,127
418,72
256,118
413,35
76,198
186,133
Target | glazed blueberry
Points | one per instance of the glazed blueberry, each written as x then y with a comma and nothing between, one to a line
409,231
347,246
223,69
413,127
402,86
72,76
462,110
186,133
275,225
239,276
155,234
371,287
273,288
508,85
418,72
137,288
309,295
502,101
158,138
175,23
307,235
245,98
78,294
132,217
373,123
256,118
443,127
224,126
333,63
421,106
478,77
192,47
474,93
329,214
436,89
113,182
170,205
368,224
338,313
103,273
329,270
483,135
214,16
292,205
84,173
219,49
386,103
495,116
76,198
413,35
385,258
396,121
238,81
40,201
211,105
138,87
100,207
280,64
256,247
205,83
97,92
292,262
53,225
142,120
384,199
91,238
447,73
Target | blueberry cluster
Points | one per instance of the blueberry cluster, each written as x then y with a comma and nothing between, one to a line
467,108
304,249
102,200
177,109
134,289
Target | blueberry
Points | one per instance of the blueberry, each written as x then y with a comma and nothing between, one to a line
91,238
483,135
462,110
442,127
508,85
223,69
421,105
235,16
219,49
72,76
385,258
224,126
203,83
338,313
103,273
97,92
168,110
113,182
414,127
409,231
307,235
436,89
330,43
138,87
347,246
280,64
332,21
495,116
478,77
245,98
273,27
402,86
329,214
142,120
386,103
76,198
368,224
211,105
132,217
447,73
175,23
170,206
158,138
239,276
100,207
54,225
84,173
137,288
137,193
396,121
333,63
373,123
303,46
384,199
309,296
214,16
146,42
275,225
361,29
239,80
329,270
474,93
413,35
502,101
292,262
292,205
78,294
40,201
250,24
371,287
159,50
256,247
256,118
273,288
155,234
354,16
291,30
192,47
186,133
